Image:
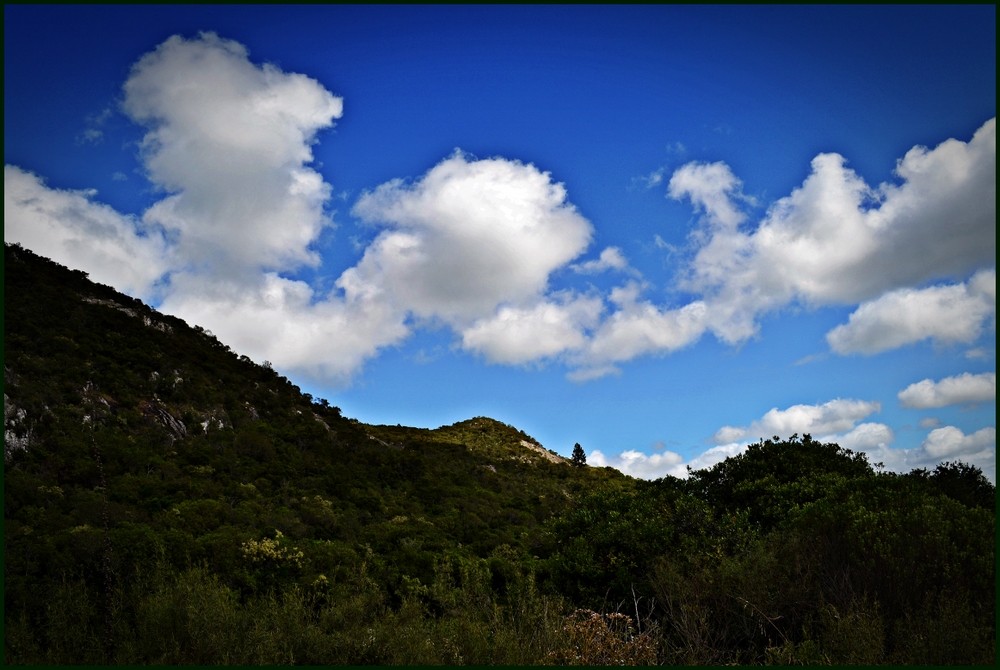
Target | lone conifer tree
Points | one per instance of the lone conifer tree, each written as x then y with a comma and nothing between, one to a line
579,457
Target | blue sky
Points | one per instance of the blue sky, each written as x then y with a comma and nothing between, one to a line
663,232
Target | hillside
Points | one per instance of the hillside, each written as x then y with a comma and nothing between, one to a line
127,426
167,500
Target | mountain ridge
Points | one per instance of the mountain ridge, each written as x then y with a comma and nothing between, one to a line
105,296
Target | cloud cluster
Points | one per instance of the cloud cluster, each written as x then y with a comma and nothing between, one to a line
471,244
947,443
837,240
833,421
474,244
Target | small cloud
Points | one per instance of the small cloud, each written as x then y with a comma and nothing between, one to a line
516,336
676,149
424,357
638,464
811,358
90,136
611,258
592,373
663,245
929,422
647,181
119,176
713,189
93,133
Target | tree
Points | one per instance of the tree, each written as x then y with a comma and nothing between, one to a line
579,457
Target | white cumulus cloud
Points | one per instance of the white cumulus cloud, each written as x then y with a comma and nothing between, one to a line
712,189
637,464
963,389
287,323
953,313
833,417
468,236
516,335
951,443
611,258
72,229
230,141
635,328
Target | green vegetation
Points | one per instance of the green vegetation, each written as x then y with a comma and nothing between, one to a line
167,501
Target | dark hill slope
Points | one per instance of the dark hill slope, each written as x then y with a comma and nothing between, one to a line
136,444
174,416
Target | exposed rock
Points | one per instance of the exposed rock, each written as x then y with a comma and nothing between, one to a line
320,419
146,320
544,453
157,412
16,432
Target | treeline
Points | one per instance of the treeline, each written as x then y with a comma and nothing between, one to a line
167,501
795,552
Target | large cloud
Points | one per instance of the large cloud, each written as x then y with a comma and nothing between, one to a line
468,236
954,313
72,229
964,389
230,141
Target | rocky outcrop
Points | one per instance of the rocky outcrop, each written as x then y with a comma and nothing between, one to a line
16,430
157,412
145,318
543,452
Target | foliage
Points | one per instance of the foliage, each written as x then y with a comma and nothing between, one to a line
167,501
